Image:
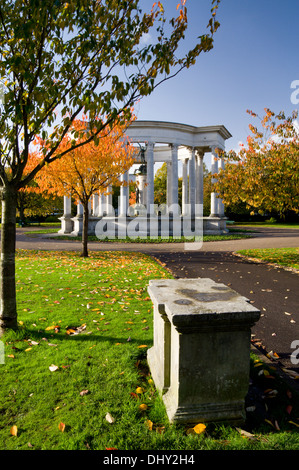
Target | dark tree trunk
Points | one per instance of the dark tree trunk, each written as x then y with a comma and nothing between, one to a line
85,230
8,310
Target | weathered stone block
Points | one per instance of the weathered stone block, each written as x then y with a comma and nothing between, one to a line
200,358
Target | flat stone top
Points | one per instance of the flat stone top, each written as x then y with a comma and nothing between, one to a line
185,300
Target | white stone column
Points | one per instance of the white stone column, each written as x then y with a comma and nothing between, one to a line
79,210
150,177
192,182
214,198
174,177
124,195
108,207
66,221
185,187
199,181
169,184
220,203
67,206
102,205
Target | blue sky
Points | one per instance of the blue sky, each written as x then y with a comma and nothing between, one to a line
252,66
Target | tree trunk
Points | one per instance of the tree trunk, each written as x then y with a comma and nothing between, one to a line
8,308
85,230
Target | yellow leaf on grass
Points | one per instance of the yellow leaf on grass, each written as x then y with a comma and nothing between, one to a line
14,430
199,428
142,346
149,424
61,427
143,407
139,390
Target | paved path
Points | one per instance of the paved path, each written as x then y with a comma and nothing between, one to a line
273,290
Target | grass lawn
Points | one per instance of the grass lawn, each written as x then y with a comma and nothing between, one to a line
268,224
75,374
286,257
234,235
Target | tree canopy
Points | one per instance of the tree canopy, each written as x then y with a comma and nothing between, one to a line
265,173
60,60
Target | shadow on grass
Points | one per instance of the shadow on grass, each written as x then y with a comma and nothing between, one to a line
24,333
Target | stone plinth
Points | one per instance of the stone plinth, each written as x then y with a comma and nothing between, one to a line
201,353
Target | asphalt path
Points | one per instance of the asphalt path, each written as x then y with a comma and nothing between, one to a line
273,290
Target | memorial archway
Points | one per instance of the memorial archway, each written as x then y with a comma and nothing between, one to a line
171,143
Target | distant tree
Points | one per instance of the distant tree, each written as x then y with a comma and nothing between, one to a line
34,204
265,174
161,187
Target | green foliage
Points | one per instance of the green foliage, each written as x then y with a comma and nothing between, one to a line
59,60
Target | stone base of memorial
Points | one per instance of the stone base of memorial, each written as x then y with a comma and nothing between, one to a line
201,353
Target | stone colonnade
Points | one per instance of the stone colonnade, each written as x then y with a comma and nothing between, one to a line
171,143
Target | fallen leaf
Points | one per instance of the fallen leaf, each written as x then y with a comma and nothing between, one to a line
246,434
84,392
142,346
292,422
149,424
109,418
143,407
53,368
199,428
52,327
272,355
291,373
14,430
61,427
276,425
139,390
269,422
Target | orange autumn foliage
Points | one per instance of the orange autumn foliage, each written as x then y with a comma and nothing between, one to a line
90,168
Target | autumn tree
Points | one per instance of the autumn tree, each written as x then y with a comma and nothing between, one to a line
89,169
265,173
32,204
59,59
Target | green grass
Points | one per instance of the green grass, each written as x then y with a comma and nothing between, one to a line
99,370
286,257
269,225
205,238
